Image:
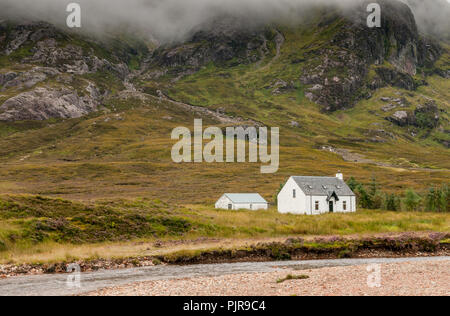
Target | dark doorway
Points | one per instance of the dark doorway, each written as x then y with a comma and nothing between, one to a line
331,207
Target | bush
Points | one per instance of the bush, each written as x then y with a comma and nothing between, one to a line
438,200
412,200
391,202
369,197
293,277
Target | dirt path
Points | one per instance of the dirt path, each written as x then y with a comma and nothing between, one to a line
395,279
221,117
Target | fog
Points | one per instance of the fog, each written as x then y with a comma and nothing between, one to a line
168,20
433,17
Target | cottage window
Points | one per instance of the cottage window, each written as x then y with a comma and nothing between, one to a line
344,205
230,206
294,194
317,205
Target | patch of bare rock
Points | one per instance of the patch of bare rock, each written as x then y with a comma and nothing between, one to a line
45,103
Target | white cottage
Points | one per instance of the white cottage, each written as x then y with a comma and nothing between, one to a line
316,195
238,201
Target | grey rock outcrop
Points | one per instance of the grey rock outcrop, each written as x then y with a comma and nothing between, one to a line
32,31
425,116
280,87
401,118
223,41
341,71
27,79
45,103
54,48
72,59
4,78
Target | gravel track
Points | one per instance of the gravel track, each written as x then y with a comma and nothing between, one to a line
417,278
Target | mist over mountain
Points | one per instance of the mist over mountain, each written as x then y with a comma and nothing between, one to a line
172,20
432,17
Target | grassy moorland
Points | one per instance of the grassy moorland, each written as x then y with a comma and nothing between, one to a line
37,229
104,185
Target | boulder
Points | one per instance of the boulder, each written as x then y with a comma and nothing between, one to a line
388,108
4,78
28,79
401,118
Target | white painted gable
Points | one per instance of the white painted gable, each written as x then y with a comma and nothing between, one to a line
292,199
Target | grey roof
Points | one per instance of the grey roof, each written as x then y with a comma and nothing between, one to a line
323,186
245,198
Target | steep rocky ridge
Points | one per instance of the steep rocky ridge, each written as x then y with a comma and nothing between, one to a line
50,73
339,74
225,41
347,63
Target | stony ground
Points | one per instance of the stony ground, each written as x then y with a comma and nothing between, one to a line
421,278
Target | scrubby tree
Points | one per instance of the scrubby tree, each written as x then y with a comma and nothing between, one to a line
352,184
373,188
412,200
275,197
391,202
365,200
432,200
438,199
446,199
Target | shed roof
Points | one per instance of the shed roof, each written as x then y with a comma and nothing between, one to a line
323,186
245,198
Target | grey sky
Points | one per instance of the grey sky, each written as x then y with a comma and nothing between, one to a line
174,19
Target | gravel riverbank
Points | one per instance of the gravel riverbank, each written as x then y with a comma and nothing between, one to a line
406,278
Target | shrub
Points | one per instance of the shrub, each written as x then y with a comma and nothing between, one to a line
293,277
438,199
391,202
412,200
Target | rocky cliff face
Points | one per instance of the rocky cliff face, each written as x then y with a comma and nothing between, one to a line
344,66
225,42
44,44
47,69
339,76
337,72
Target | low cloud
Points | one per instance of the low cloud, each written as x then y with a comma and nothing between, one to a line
169,20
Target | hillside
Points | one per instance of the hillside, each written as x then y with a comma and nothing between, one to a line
89,119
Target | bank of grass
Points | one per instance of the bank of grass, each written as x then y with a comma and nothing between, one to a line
290,277
271,223
41,229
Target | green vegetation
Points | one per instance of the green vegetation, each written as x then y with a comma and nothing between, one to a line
33,220
64,182
290,277
329,247
435,200
38,226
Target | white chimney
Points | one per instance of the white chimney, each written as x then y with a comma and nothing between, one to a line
340,176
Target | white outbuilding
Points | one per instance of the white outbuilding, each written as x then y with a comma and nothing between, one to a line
242,201
316,195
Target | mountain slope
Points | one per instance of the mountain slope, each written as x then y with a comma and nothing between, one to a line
87,119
